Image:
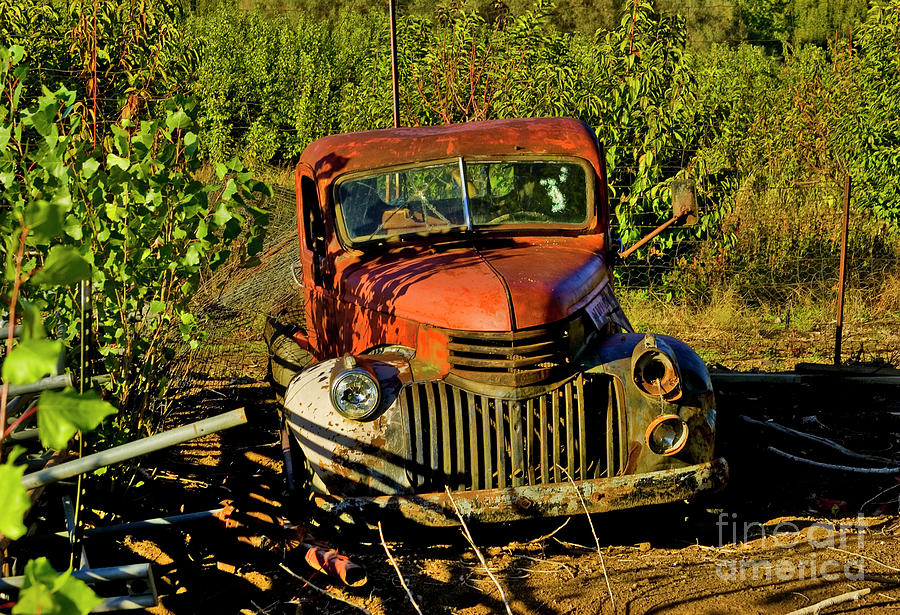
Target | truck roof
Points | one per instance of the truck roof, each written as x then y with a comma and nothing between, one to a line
332,156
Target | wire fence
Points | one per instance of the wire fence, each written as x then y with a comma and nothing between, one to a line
759,290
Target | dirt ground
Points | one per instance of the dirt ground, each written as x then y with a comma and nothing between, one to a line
780,538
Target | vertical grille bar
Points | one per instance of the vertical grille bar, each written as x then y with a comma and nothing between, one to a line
529,439
516,447
554,428
473,442
582,428
570,430
499,419
610,440
621,430
420,434
460,467
486,442
545,448
432,427
447,450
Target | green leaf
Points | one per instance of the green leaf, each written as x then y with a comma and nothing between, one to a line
73,227
46,592
89,167
64,266
31,360
45,219
222,215
156,307
61,414
32,324
230,190
178,119
116,161
15,498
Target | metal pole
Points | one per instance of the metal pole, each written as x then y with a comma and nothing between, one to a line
135,449
393,16
151,523
842,276
90,575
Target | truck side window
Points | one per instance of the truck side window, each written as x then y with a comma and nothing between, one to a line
313,226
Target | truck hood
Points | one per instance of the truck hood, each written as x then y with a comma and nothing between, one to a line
484,289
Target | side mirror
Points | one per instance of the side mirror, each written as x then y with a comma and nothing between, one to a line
684,202
684,212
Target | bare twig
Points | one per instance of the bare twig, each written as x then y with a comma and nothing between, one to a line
596,540
814,609
834,467
871,559
323,591
551,534
821,441
878,495
397,569
468,536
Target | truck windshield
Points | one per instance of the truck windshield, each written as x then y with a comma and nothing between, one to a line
456,195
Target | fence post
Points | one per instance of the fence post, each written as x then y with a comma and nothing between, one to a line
392,10
842,276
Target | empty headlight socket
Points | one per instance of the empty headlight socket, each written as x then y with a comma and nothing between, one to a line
654,370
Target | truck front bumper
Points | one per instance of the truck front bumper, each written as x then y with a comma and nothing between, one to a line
537,501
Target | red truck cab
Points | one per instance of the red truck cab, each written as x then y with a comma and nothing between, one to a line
462,333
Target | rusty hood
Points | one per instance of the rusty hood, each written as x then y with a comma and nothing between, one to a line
478,288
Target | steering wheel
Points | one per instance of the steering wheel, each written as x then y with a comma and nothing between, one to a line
521,216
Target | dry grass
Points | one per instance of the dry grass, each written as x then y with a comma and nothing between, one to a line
730,331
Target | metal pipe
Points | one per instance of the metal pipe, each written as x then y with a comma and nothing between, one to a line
135,449
90,575
44,384
4,332
149,523
392,12
125,603
842,276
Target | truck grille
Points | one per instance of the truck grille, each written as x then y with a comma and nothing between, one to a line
468,441
513,358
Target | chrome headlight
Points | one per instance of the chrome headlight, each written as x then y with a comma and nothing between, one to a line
667,435
355,394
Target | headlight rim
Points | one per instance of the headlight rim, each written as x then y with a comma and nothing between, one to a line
679,444
343,374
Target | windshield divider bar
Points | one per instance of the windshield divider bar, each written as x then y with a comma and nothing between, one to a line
464,184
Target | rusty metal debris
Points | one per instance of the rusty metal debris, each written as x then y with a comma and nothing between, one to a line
334,564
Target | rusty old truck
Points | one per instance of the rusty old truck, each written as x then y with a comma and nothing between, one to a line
462,338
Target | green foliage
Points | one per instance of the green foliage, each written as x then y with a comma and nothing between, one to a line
46,592
31,360
15,499
61,414
135,220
